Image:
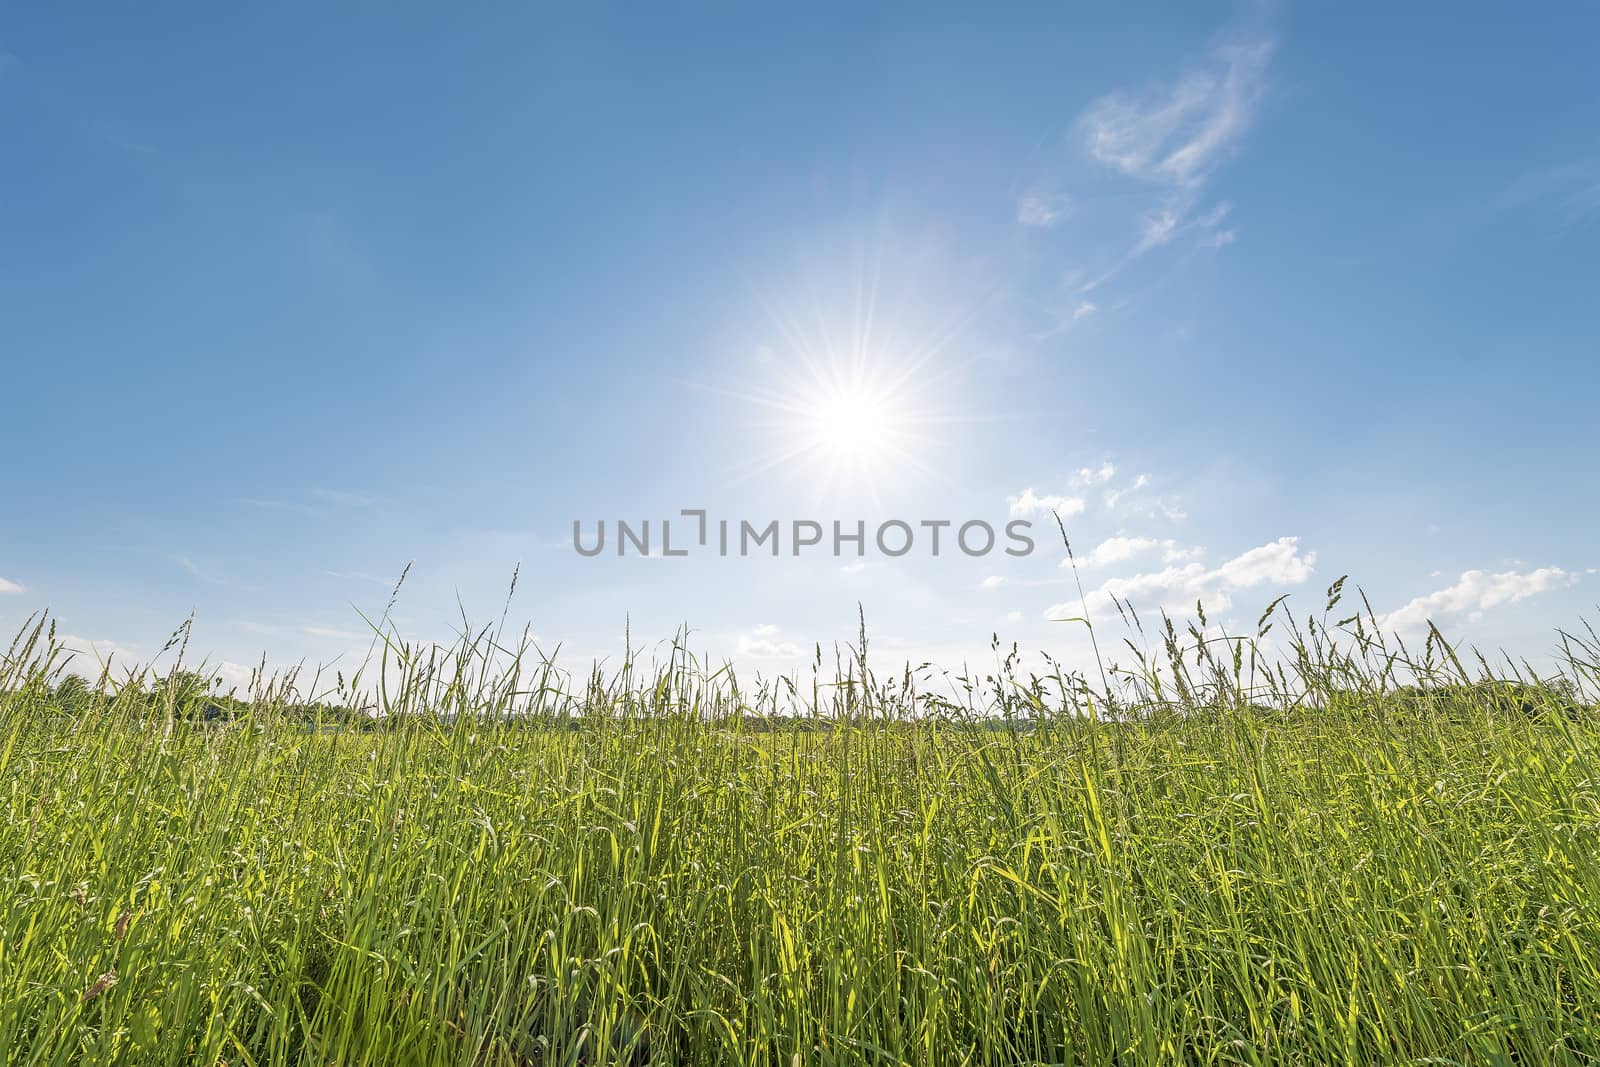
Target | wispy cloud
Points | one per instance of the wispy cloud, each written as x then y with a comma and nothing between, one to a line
342,498
1160,145
8,586
1169,139
194,570
1041,209
273,629
1567,195
1157,229
363,576
1176,135
1133,498
1166,507
318,502
1114,496
1473,594
330,633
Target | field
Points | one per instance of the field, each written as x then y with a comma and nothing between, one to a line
1208,862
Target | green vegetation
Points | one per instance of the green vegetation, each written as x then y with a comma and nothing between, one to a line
1349,853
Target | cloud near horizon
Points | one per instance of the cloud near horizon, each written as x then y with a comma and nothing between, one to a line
1176,589
765,642
1473,594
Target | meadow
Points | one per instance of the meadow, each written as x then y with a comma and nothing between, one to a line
1351,852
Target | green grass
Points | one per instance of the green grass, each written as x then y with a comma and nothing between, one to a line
1309,865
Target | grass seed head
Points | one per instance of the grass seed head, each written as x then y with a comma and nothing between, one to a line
101,984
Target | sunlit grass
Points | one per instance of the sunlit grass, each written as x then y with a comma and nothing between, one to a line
1310,865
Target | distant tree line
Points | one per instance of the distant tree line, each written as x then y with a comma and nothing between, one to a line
191,696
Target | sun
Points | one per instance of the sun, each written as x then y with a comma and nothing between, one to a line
854,425
844,385
862,419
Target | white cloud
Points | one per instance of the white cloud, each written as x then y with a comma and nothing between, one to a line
234,675
1116,550
1474,593
1031,503
1083,310
765,642
1176,135
1278,563
855,566
1013,617
1177,588
88,657
994,581
1120,549
8,586
1172,552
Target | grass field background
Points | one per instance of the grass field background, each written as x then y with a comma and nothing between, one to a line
1354,853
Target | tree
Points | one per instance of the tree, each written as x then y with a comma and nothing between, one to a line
73,693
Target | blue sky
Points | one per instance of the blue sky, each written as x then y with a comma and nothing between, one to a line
1261,296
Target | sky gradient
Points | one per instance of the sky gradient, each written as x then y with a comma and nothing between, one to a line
1255,297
